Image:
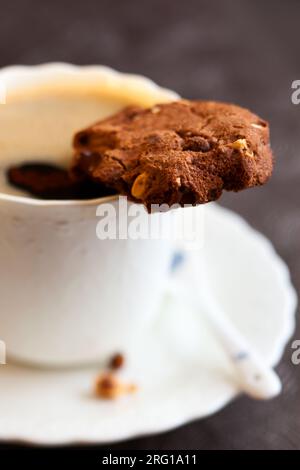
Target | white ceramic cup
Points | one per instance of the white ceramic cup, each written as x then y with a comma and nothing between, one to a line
66,297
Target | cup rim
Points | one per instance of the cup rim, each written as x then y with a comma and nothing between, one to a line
50,73
30,201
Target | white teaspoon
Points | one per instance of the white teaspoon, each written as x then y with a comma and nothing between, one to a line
255,378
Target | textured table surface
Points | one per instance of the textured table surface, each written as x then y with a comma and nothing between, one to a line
242,51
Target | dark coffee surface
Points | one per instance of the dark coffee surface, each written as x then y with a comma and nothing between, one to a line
46,181
245,52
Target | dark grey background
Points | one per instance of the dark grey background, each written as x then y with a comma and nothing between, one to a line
242,51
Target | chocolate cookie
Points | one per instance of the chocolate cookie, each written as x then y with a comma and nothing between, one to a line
184,152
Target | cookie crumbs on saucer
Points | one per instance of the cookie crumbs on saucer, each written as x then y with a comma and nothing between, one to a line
117,361
108,386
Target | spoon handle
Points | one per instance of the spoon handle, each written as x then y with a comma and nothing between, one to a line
255,378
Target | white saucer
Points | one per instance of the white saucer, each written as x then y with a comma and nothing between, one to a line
180,369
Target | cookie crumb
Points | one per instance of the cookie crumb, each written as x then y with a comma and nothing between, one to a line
117,361
108,386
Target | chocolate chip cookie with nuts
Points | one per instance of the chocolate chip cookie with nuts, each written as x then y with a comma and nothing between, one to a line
185,152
